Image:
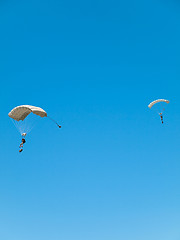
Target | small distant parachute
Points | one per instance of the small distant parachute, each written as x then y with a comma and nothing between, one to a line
159,106
157,101
23,122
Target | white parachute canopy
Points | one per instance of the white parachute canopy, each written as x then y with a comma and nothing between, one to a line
21,112
158,101
21,118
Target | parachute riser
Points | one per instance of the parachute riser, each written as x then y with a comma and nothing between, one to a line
159,109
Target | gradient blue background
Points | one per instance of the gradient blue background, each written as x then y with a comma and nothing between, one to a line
113,171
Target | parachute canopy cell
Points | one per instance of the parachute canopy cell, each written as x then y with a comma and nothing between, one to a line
157,101
21,112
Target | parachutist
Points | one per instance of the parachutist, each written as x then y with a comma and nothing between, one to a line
22,143
161,116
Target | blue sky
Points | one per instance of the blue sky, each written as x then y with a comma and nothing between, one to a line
112,171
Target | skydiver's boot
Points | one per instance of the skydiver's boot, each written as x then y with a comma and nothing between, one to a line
20,150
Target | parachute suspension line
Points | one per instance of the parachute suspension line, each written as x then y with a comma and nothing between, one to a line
162,107
16,125
30,123
54,121
159,108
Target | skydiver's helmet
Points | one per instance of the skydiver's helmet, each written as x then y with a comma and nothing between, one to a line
23,134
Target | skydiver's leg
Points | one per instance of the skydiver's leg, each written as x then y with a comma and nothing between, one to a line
162,119
21,145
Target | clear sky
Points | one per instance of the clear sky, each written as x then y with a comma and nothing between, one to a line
113,171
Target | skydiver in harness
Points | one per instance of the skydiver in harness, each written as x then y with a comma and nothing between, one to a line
22,142
161,116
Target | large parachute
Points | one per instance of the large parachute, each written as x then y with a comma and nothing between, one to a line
24,117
